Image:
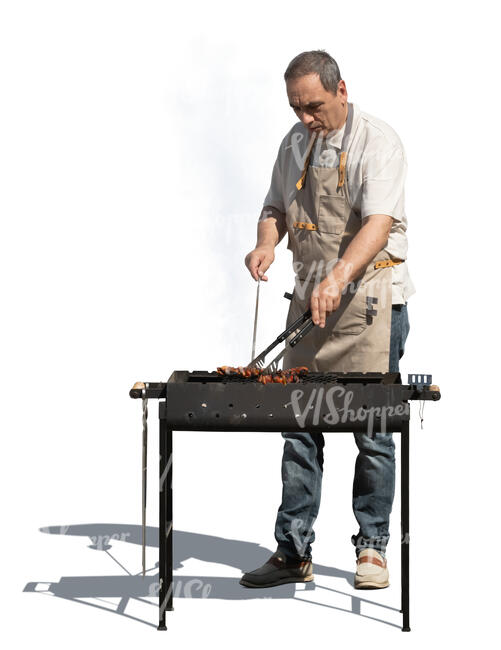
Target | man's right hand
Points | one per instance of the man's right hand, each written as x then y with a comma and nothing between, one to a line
259,261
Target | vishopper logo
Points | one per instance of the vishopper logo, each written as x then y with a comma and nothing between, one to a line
299,146
192,588
329,157
102,542
315,272
265,214
308,276
298,152
165,474
299,538
333,407
312,273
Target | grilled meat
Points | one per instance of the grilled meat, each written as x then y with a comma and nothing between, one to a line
291,375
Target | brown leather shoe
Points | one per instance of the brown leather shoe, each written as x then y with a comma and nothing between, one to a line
278,570
372,571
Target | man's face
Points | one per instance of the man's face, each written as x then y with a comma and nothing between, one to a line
318,109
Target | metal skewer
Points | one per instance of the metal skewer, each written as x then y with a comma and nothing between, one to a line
144,466
255,319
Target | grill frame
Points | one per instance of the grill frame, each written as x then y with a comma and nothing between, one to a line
252,406
184,389
207,401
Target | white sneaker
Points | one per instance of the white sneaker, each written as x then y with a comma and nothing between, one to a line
372,572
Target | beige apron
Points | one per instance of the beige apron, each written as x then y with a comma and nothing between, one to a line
320,224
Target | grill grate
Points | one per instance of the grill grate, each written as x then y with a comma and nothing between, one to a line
311,378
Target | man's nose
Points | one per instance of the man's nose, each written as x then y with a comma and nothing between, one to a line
305,118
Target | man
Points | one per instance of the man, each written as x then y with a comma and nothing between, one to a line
337,190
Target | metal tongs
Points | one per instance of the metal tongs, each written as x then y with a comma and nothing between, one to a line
304,322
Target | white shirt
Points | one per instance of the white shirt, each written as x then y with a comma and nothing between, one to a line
376,169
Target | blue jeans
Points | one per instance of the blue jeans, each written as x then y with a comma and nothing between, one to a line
373,485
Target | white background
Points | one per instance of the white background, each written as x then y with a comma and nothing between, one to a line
137,142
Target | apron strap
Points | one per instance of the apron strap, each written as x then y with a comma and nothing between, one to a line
309,151
347,129
344,146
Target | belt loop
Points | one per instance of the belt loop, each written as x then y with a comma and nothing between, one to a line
382,264
305,225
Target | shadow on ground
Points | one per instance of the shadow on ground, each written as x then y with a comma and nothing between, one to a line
238,554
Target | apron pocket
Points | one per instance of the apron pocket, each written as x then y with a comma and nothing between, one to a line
353,320
331,214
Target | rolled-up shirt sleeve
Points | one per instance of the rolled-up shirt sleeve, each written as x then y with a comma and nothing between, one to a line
384,171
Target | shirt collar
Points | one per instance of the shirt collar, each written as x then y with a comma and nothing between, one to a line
335,137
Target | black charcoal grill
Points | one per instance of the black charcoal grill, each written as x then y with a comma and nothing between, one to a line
208,401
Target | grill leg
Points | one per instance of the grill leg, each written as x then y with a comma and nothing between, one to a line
165,524
404,518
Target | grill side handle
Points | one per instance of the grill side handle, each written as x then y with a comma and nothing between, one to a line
152,390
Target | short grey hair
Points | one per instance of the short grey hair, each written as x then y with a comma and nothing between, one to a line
315,62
